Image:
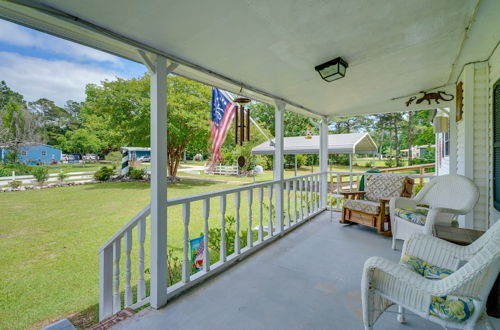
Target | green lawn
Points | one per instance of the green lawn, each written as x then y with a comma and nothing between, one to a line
49,242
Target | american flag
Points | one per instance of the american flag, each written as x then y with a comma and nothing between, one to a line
223,111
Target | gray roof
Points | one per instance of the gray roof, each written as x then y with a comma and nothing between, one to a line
337,144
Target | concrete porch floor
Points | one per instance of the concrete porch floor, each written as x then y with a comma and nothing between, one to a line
310,279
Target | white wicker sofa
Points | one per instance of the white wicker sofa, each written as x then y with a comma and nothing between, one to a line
474,270
450,194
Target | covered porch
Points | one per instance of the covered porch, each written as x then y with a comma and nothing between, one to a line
304,271
307,280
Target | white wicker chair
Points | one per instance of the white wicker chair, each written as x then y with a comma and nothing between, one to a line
452,194
385,282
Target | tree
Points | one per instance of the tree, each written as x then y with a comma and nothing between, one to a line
118,112
54,121
81,141
8,95
294,124
17,125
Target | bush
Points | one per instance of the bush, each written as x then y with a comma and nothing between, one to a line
114,156
41,174
15,184
137,173
340,159
389,162
214,237
369,164
6,169
62,176
103,174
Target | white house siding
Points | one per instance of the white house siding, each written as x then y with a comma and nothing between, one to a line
461,147
481,152
473,141
443,163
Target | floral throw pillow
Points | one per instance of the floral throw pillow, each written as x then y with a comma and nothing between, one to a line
449,308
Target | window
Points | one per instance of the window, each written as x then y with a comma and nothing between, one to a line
44,153
446,144
496,145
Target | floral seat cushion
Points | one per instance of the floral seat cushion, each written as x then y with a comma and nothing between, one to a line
364,206
417,215
448,308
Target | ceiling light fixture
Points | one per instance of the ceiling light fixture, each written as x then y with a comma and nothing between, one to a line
332,70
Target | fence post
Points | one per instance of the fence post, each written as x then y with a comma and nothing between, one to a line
106,282
13,175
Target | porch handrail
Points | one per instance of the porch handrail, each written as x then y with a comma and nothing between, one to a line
300,203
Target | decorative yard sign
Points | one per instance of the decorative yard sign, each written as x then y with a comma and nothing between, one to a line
196,249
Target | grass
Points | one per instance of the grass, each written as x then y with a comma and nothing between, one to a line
49,240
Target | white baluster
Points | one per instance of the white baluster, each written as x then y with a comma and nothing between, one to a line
306,193
117,304
128,273
311,194
223,228
249,233
186,265
141,283
237,228
301,184
206,215
270,223
295,201
261,228
317,193
288,204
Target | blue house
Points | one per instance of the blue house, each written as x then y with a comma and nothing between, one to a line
34,154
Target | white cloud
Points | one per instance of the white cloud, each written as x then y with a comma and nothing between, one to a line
17,35
53,79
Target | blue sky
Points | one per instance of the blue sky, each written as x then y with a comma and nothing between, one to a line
39,65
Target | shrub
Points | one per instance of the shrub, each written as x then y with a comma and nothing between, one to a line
214,237
41,174
6,169
15,184
389,162
62,176
103,174
369,164
137,173
114,156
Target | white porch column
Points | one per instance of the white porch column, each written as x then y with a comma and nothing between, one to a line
278,164
159,183
323,161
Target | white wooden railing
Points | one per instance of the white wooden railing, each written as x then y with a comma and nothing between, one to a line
52,178
336,184
301,202
222,170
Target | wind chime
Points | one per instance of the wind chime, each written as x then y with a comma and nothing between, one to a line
241,121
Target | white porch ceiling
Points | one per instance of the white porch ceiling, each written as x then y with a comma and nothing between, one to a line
394,48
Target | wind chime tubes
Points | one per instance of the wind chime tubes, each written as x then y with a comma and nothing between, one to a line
241,122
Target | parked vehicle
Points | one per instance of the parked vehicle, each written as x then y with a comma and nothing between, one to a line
144,159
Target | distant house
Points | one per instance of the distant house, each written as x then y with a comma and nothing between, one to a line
33,154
